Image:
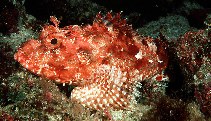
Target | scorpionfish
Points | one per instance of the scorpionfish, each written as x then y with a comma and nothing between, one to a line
104,60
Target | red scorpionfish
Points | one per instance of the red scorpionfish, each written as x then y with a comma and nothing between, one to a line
104,60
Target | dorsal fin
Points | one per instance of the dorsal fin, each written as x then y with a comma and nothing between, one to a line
116,21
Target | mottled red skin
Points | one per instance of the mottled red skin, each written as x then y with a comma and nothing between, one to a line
101,59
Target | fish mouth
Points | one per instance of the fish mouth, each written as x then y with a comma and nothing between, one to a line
24,55
21,58
34,62
24,60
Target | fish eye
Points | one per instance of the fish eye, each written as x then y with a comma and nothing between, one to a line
54,41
